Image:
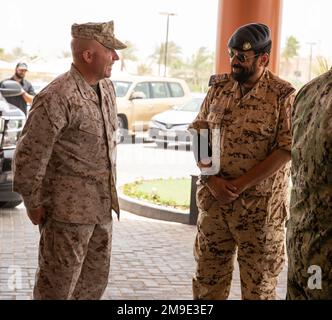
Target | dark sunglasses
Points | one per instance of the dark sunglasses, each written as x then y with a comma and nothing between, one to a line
241,56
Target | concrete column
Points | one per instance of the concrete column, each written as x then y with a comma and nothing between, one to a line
234,13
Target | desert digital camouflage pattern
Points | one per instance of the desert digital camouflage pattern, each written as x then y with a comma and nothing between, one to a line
251,127
309,230
65,162
65,157
102,32
72,269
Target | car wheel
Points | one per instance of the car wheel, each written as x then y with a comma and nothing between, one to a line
121,133
9,204
162,145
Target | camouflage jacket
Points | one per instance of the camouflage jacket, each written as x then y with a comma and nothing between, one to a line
250,127
65,159
311,198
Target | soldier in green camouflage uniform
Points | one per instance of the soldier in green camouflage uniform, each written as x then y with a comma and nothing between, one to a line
243,207
309,230
64,168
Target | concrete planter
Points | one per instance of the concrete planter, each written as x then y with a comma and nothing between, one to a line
153,211
149,210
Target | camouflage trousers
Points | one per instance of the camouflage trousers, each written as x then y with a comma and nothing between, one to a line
309,250
252,226
74,261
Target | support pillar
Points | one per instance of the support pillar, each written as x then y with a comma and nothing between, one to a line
235,13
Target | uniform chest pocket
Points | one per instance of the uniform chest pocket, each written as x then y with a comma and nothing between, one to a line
258,126
215,115
90,120
91,128
90,138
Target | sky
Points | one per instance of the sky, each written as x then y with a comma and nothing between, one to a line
43,26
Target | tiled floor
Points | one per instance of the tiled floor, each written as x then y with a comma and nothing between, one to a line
151,259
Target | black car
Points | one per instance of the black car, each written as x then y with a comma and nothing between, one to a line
12,121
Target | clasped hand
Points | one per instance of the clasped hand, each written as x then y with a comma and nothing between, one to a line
225,191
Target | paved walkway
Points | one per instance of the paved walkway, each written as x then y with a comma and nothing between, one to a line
151,259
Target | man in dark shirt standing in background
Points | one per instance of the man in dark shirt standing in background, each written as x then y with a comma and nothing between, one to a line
27,89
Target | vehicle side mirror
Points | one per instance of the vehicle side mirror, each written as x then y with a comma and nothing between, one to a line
137,95
10,88
3,125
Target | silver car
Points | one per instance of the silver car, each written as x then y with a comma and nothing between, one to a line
171,126
13,121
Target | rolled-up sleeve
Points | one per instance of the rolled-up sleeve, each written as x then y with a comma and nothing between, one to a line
47,119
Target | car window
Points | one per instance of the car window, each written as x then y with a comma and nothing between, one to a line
159,90
143,87
121,87
192,105
176,89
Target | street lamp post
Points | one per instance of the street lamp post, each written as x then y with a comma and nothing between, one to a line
311,44
166,42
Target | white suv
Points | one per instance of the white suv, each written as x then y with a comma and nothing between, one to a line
140,98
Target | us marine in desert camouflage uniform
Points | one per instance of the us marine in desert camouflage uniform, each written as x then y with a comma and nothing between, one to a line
309,230
64,168
243,207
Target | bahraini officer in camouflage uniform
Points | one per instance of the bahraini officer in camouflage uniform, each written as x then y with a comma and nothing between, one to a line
242,208
64,168
309,229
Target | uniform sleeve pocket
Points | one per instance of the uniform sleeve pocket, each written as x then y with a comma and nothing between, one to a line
204,198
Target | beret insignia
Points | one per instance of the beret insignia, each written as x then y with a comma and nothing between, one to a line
246,46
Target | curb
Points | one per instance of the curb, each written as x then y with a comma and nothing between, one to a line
153,211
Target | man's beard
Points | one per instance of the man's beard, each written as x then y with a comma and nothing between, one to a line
19,76
244,74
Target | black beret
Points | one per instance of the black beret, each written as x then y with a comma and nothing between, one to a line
253,36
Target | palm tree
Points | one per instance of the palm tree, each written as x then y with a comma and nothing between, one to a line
3,54
322,65
290,51
127,54
201,67
18,53
173,54
292,48
144,69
